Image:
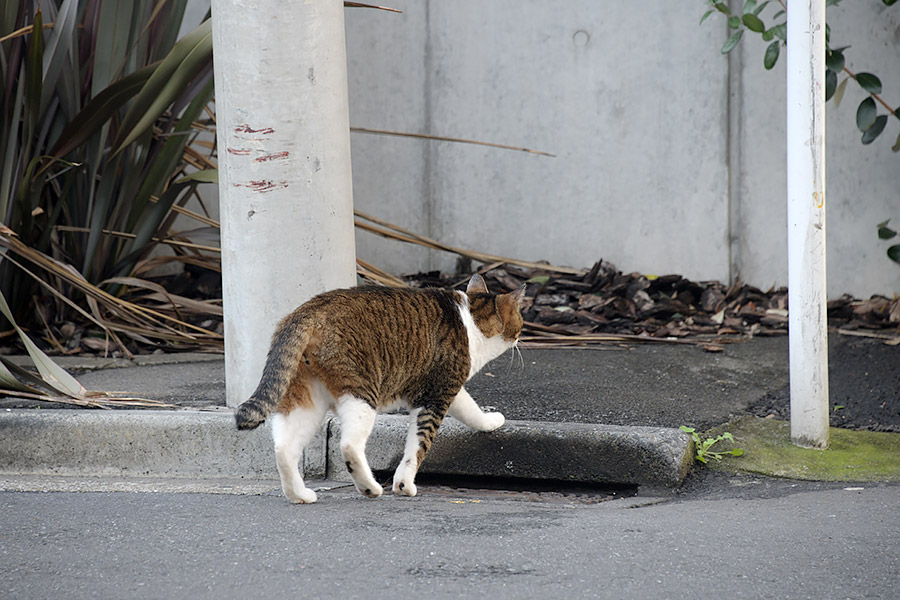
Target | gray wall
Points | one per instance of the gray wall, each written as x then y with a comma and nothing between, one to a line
669,156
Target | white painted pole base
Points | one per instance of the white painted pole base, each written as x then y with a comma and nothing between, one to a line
807,300
285,187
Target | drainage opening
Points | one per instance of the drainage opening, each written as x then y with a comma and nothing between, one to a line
512,488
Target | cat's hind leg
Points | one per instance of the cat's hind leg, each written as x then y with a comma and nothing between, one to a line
357,419
291,433
466,410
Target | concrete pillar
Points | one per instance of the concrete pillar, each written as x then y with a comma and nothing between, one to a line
285,188
807,300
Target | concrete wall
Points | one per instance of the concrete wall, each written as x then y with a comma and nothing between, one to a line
664,148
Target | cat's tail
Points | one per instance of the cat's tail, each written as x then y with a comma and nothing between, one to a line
288,344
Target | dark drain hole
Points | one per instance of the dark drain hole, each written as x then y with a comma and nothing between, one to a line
516,488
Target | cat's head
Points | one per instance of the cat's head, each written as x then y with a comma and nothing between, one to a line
495,314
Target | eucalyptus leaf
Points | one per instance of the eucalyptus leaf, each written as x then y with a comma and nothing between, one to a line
753,23
706,15
839,92
771,56
894,253
834,60
869,82
885,232
865,114
896,146
780,31
830,84
734,22
732,41
875,130
749,7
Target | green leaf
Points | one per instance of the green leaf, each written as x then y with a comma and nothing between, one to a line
771,56
204,176
888,2
737,452
753,23
56,54
542,279
760,8
896,146
869,82
722,8
830,84
99,110
706,15
780,31
778,15
34,76
875,130
180,66
839,92
749,7
885,232
767,35
732,42
734,22
834,60
865,114
894,253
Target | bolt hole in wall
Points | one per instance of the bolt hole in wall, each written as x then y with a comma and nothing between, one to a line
469,488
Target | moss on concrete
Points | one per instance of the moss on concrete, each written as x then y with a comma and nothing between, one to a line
851,456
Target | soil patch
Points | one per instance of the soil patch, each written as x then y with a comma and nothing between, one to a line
864,386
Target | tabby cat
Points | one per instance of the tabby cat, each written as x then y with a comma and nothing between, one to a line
360,350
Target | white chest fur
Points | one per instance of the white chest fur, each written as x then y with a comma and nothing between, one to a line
482,349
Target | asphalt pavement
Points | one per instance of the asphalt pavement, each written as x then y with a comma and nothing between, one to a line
734,537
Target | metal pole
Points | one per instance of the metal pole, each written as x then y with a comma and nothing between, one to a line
285,190
807,300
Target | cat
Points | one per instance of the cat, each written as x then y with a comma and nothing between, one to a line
359,350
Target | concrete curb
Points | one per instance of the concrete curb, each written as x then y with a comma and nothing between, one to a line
198,444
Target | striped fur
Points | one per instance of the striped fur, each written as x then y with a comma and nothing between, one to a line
356,351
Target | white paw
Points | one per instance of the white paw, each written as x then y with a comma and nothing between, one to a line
493,421
370,490
304,496
404,488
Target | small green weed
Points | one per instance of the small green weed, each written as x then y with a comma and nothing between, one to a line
704,447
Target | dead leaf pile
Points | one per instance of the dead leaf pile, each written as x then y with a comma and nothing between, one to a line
604,302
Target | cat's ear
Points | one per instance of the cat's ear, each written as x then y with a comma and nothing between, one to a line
517,295
477,285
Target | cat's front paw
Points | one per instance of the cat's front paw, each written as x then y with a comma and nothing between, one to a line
304,496
493,421
404,488
370,490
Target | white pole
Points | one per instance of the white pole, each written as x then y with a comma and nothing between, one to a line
285,191
807,300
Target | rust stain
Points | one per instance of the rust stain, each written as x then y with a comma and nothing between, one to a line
273,156
245,128
263,185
